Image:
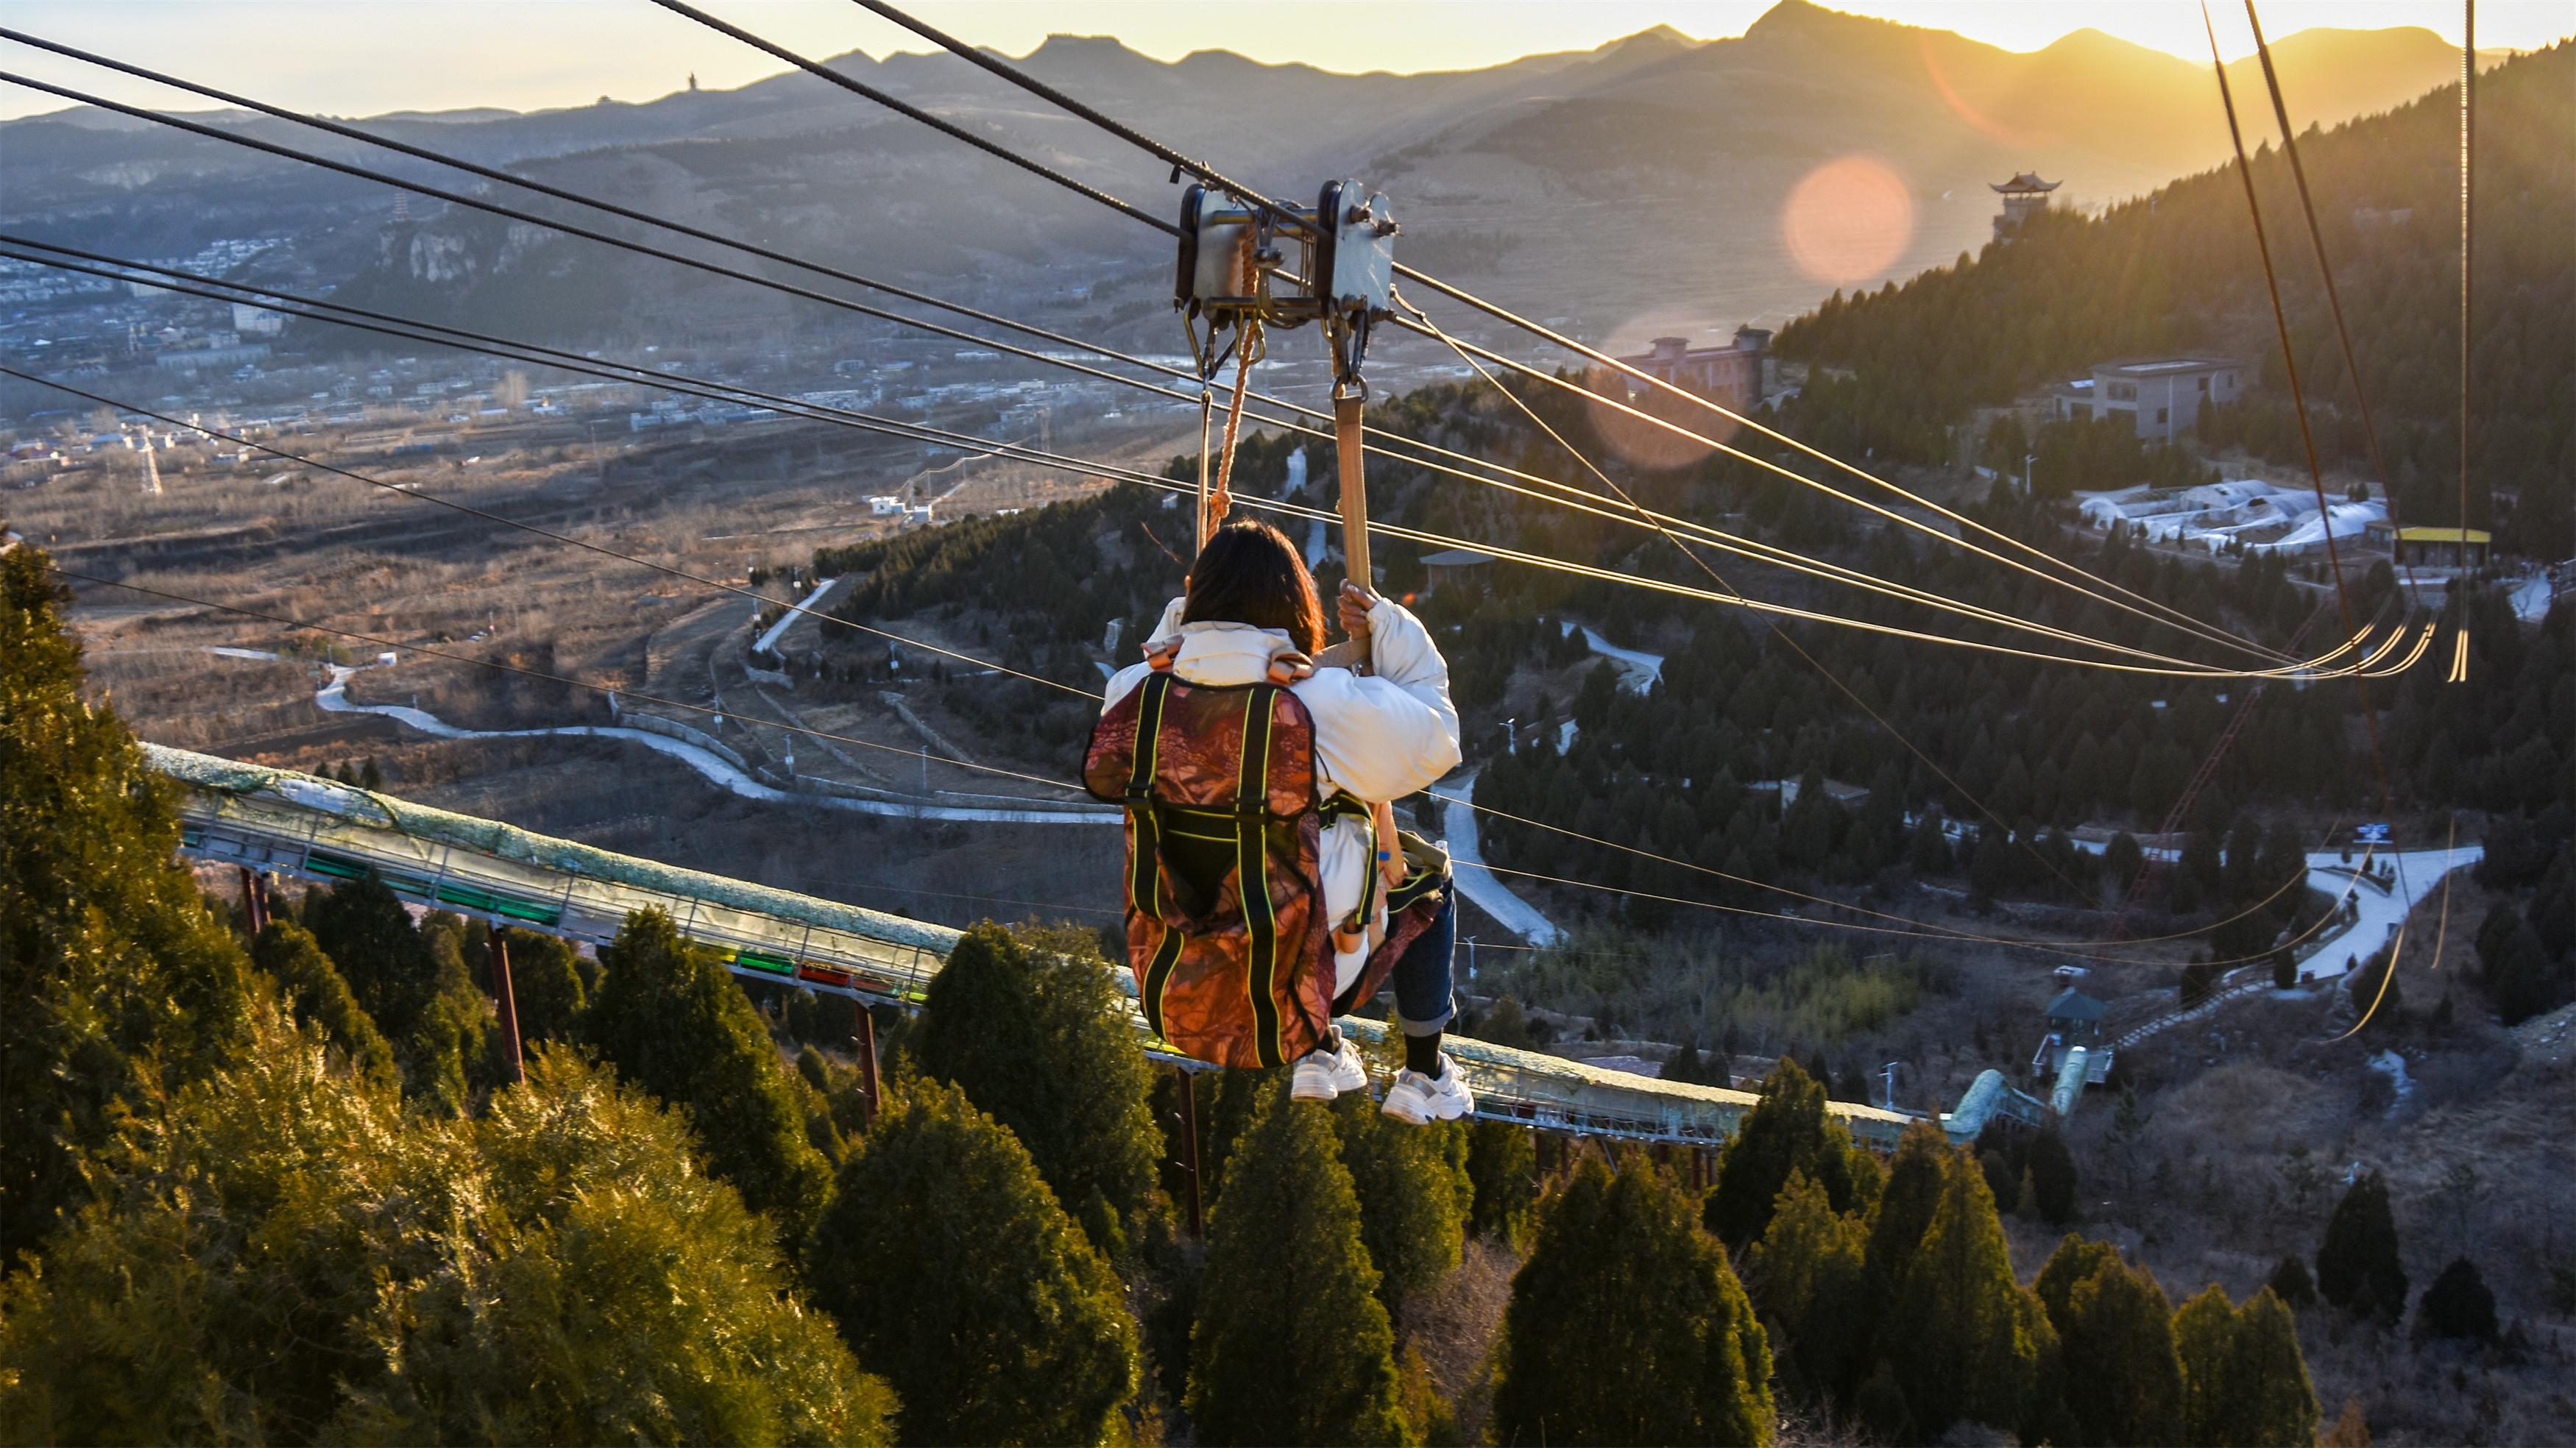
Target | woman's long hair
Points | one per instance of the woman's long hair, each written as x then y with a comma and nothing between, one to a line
1250,573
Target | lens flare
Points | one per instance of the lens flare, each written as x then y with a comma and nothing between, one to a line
1848,221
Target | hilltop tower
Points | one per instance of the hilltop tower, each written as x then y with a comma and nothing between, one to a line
2025,196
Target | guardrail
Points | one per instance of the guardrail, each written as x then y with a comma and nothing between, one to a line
319,830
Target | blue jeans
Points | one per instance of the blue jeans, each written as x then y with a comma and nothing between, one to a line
1425,999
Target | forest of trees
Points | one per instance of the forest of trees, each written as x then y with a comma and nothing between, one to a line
282,1188
2179,270
2005,753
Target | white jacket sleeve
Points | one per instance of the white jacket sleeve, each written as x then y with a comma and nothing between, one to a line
1169,625
1384,735
1125,680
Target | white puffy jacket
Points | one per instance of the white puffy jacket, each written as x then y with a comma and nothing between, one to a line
1378,736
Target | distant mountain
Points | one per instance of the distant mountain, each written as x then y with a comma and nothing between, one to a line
1638,186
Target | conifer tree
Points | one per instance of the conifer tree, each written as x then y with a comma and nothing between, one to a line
1502,1165
2292,1283
2357,1266
1968,1339
2116,1347
954,1272
1788,1130
1038,1037
119,986
545,985
1410,1217
2458,1305
300,1259
1905,1207
2245,1384
288,955
419,996
2050,1169
674,1023
1807,1280
1627,1324
1292,1345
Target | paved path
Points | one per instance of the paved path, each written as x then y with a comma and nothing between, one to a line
333,698
2531,600
812,604
1640,671
1478,884
2419,874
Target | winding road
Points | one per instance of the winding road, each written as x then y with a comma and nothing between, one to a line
333,698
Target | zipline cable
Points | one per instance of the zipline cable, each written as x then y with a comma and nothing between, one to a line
1776,631
512,213
2334,302
904,108
1733,543
560,193
2207,632
732,392
1209,174
2468,175
2307,437
284,455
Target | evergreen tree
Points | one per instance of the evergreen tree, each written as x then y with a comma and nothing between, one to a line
2357,1266
2291,1283
2050,1170
1627,1325
119,985
1039,1038
1807,1283
1905,1208
1788,1130
953,1271
1292,1345
287,954
2116,1346
545,985
2458,1305
299,1259
1502,1165
419,996
1411,1218
1971,1338
674,1023
2245,1384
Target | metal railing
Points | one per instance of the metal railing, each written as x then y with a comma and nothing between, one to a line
315,829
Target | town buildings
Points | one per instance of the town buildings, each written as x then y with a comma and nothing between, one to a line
2159,396
1736,375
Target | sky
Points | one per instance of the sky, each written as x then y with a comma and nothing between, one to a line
366,57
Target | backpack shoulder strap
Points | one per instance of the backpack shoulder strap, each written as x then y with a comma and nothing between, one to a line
1142,818
1252,870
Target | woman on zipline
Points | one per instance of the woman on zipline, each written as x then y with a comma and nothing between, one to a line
1240,760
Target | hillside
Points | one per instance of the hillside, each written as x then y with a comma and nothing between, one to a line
2179,269
1499,173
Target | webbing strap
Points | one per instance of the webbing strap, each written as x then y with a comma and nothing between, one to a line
1252,872
1158,974
1146,843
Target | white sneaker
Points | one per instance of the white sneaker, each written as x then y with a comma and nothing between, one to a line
1323,1075
1419,1100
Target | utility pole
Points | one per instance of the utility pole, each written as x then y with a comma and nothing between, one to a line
1890,1070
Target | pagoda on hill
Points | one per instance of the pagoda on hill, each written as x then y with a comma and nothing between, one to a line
2025,196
